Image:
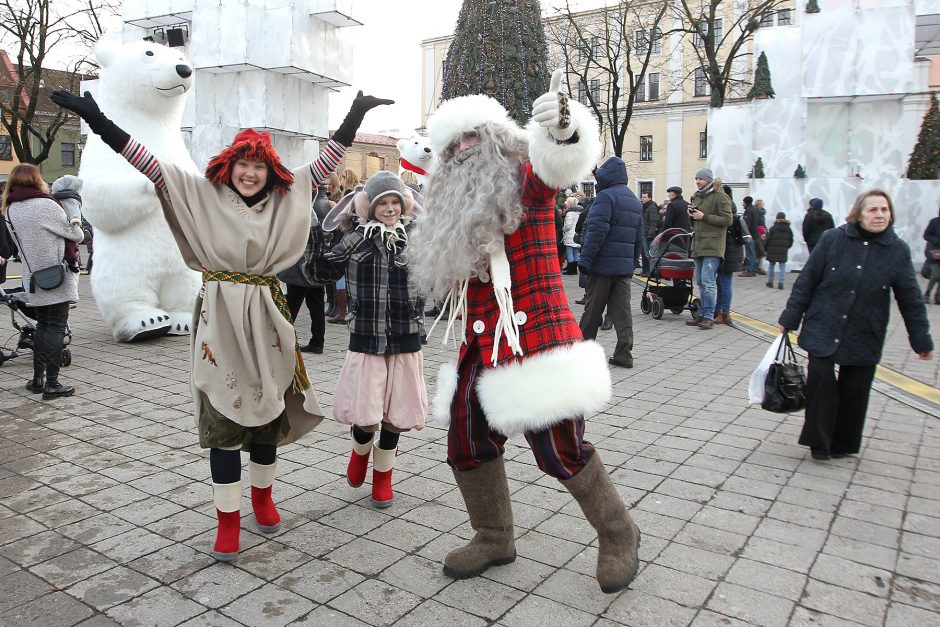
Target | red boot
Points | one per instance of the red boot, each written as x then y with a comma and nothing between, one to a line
262,479
358,462
227,497
382,465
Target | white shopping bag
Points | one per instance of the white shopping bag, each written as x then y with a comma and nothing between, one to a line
756,387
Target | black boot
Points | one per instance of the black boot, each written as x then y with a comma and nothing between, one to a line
36,384
606,325
54,389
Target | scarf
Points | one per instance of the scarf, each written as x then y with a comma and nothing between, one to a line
412,167
19,194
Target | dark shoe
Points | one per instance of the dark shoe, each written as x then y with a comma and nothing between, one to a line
607,325
310,348
838,455
580,301
54,389
694,322
746,273
621,364
706,323
433,312
761,272
769,284
36,385
618,537
779,286
820,454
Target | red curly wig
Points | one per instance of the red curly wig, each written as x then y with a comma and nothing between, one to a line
251,146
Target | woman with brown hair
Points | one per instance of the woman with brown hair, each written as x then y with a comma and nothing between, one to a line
843,298
41,227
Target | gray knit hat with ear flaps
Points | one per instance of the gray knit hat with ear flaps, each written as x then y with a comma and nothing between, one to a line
380,184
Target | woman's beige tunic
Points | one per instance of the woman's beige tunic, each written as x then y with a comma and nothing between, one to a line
243,355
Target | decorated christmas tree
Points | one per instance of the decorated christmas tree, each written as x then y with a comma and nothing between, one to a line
499,50
761,87
924,163
800,172
812,6
757,171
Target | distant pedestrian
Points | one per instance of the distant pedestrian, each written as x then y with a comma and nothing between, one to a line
651,226
677,212
732,262
711,214
752,219
778,243
572,248
816,221
932,235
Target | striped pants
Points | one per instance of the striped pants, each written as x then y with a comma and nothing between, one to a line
560,451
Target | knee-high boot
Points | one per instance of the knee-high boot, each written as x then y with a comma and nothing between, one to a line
262,482
486,495
228,498
618,536
358,462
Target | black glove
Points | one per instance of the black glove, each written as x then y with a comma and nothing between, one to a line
346,133
87,109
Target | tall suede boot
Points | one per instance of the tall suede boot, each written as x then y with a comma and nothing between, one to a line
358,462
618,536
262,481
340,316
228,499
486,495
382,464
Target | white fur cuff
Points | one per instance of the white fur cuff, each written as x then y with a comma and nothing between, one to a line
444,390
227,496
560,165
262,475
545,389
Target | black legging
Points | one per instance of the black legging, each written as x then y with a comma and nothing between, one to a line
49,339
226,465
313,296
388,439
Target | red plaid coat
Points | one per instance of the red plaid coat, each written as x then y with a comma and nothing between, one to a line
538,294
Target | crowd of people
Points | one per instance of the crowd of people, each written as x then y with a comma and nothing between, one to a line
488,242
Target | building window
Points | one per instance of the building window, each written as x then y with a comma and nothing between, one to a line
767,19
784,17
596,89
592,45
640,89
646,148
641,41
646,187
698,41
701,83
68,154
653,90
6,149
703,145
657,39
582,94
719,31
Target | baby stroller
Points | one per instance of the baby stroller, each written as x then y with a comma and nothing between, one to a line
669,284
22,317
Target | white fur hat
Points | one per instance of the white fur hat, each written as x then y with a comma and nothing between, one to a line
459,115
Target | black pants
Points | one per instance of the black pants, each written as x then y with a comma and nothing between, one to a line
612,293
49,339
295,296
835,406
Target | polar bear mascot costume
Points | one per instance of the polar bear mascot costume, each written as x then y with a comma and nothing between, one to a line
416,156
140,283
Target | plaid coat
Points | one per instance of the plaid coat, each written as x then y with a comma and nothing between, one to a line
538,294
384,317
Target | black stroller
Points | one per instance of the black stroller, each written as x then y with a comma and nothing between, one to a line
669,284
23,317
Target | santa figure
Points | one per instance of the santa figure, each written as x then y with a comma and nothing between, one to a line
486,247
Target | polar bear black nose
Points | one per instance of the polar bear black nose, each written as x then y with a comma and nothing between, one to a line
427,150
184,70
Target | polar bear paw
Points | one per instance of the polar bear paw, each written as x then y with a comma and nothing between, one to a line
180,323
143,325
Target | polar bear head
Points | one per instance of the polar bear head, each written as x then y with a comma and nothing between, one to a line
142,76
416,154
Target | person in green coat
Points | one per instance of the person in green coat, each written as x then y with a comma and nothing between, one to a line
711,215
777,245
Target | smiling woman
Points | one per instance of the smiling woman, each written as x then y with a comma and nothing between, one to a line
240,224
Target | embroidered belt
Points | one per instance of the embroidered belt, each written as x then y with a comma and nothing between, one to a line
301,382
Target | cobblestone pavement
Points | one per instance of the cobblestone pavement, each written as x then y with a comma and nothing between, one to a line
106,514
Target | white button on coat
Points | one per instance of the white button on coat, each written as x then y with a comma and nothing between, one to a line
479,327
484,277
521,317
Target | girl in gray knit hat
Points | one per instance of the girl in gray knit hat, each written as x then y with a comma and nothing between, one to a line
381,386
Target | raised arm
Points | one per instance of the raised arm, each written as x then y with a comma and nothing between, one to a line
111,134
344,137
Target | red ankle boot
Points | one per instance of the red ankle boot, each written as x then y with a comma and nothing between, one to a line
358,462
262,480
227,497
382,465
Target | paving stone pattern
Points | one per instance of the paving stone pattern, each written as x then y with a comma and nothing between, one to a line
106,515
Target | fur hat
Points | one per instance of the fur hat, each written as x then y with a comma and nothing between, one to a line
705,174
816,203
380,184
251,146
781,215
459,115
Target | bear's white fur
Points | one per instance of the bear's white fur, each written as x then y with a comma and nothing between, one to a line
417,152
139,281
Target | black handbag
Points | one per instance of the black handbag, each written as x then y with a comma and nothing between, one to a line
46,278
785,385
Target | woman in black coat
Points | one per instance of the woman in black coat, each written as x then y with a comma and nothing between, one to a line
843,298
732,262
932,235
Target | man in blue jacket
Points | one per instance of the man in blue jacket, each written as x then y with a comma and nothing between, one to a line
613,235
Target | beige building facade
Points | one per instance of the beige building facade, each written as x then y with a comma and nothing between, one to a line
369,154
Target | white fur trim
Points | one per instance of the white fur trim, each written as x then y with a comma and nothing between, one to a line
444,390
560,165
227,496
542,390
383,460
459,115
262,475
362,449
